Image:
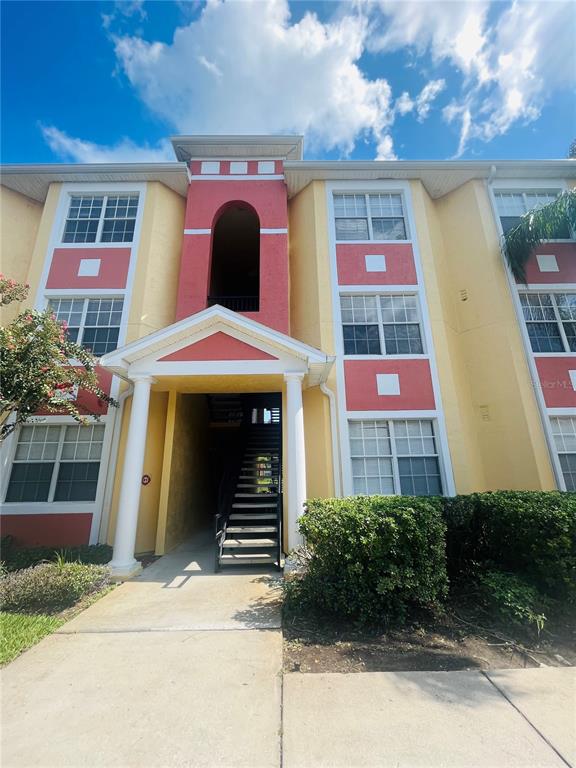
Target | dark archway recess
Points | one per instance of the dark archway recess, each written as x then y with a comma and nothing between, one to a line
235,264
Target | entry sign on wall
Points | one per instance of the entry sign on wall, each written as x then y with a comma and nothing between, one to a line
146,479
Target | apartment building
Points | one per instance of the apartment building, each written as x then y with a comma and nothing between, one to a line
277,329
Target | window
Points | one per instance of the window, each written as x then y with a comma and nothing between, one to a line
550,320
512,206
56,463
93,323
101,218
369,217
398,456
375,325
564,432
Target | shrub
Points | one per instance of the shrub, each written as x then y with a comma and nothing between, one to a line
372,557
528,533
50,586
514,599
14,558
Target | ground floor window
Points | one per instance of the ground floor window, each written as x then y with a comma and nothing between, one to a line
56,462
564,431
395,456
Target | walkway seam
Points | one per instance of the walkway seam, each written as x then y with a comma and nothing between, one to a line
164,629
530,723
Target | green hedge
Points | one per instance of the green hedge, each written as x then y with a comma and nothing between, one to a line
14,558
529,533
374,557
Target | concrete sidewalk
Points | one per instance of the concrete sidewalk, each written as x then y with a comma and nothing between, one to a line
182,667
517,718
179,667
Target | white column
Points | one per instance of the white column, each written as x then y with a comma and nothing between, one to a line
123,563
296,455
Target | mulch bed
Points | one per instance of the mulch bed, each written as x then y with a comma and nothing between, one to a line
457,640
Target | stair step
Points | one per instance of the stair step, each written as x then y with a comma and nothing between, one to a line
256,543
264,486
267,476
252,529
247,558
248,505
265,495
254,516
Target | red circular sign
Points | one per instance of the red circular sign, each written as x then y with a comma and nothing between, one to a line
146,479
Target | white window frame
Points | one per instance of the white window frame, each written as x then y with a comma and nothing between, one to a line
525,190
98,240
405,217
383,354
394,456
560,413
57,295
559,322
50,505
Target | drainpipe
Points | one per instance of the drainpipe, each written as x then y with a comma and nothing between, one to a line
333,429
113,458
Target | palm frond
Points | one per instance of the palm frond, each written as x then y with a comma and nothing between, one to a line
552,221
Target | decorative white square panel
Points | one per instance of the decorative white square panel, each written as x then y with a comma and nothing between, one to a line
210,167
266,166
572,375
238,166
388,383
375,263
89,268
547,262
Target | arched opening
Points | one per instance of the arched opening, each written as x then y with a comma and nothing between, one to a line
235,266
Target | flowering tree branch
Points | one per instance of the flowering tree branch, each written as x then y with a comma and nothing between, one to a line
40,368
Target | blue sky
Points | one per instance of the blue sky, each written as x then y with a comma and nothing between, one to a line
110,81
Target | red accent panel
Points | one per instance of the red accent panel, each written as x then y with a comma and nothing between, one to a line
219,346
400,268
416,391
279,167
47,530
565,256
114,263
555,381
205,201
87,401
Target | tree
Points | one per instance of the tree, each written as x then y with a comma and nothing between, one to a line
41,369
555,220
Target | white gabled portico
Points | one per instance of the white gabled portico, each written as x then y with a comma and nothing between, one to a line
172,359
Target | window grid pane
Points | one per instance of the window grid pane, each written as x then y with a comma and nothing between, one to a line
386,211
399,318
35,461
102,325
83,218
545,314
414,448
564,433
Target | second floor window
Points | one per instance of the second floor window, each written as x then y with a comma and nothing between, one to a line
381,325
550,320
94,323
564,432
369,217
101,219
512,206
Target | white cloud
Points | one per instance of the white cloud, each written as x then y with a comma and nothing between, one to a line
510,65
126,151
243,67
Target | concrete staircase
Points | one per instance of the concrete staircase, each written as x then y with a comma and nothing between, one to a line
251,532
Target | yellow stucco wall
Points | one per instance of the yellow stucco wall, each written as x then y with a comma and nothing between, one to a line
185,474
153,302
494,428
25,229
311,322
153,458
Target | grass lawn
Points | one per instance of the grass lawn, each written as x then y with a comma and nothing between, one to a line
19,631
